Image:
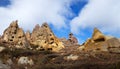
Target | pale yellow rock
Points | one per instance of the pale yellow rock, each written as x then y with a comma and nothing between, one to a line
101,42
97,35
43,37
72,57
81,48
2,48
15,35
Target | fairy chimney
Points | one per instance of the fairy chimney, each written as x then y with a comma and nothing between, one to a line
43,37
15,35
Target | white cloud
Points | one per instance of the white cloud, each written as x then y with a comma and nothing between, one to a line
104,14
31,12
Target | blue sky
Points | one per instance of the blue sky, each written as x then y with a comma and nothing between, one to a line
64,16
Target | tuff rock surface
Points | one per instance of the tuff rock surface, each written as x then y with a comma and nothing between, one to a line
98,52
101,42
15,36
44,38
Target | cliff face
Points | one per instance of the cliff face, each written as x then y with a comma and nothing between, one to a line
43,37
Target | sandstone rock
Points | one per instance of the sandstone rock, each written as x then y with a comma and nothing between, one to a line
3,66
113,43
114,50
97,35
15,35
25,60
0,37
9,62
72,57
72,39
101,42
64,40
2,48
108,37
28,35
81,48
44,38
119,39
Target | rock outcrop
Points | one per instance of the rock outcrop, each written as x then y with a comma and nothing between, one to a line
4,66
72,39
28,35
15,35
44,38
25,60
101,42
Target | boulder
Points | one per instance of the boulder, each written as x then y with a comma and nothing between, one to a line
72,57
25,60
2,48
44,38
4,66
9,62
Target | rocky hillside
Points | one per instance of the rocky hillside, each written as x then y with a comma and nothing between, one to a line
41,49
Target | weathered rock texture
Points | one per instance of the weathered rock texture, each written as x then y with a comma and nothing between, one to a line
28,35
71,41
101,42
44,38
15,35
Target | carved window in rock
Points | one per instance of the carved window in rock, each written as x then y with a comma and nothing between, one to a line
98,49
21,43
50,34
10,40
51,40
20,37
12,36
100,40
50,49
45,26
45,42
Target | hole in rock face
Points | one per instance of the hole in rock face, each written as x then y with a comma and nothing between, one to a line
12,36
50,34
100,40
51,39
21,43
98,49
14,32
45,25
19,37
49,49
51,42
11,40
42,49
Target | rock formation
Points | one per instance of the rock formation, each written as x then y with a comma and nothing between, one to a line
101,42
44,38
15,35
28,35
72,39
25,60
